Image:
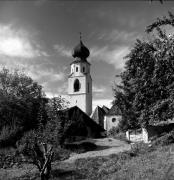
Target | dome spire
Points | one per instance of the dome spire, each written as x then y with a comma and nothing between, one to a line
80,36
80,51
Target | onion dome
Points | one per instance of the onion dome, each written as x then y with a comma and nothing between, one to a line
80,51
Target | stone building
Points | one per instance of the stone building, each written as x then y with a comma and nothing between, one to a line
112,118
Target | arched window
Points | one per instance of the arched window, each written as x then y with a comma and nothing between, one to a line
76,85
76,69
113,120
83,69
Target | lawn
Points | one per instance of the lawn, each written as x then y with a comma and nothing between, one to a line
141,163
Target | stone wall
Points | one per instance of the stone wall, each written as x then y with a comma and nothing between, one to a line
146,134
134,135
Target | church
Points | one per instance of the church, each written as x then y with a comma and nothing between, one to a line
80,98
79,80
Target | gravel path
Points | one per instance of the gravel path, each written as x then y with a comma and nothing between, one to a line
106,146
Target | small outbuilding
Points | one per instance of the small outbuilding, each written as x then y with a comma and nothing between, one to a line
112,118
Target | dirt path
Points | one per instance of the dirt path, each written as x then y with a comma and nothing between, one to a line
106,146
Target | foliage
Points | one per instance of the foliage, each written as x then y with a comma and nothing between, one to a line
145,95
9,158
163,140
113,131
23,106
38,153
140,148
117,133
20,102
9,135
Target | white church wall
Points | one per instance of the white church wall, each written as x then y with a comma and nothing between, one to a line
83,97
79,101
111,121
82,80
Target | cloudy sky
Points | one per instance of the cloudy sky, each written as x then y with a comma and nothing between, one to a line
38,37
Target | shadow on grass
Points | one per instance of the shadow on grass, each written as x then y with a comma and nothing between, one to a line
99,148
66,174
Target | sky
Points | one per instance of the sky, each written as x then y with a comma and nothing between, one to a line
38,37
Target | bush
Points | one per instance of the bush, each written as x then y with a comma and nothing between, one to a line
164,140
113,131
9,157
9,135
61,154
28,141
140,148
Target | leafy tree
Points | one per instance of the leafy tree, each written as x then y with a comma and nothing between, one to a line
53,130
20,100
145,94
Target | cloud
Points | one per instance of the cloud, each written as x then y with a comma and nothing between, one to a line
57,90
98,89
48,77
119,36
18,43
62,50
109,55
101,102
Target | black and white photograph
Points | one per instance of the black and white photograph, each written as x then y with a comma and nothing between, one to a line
86,89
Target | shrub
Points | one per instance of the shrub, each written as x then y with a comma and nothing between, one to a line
9,135
116,133
61,154
9,157
27,142
165,139
139,148
113,131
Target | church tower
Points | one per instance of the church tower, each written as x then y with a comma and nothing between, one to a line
79,80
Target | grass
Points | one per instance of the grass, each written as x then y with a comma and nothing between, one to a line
143,164
140,163
152,165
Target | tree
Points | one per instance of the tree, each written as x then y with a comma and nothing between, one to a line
37,151
20,100
145,94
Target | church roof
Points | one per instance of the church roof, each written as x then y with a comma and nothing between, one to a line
114,111
81,121
106,109
98,115
77,60
81,51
